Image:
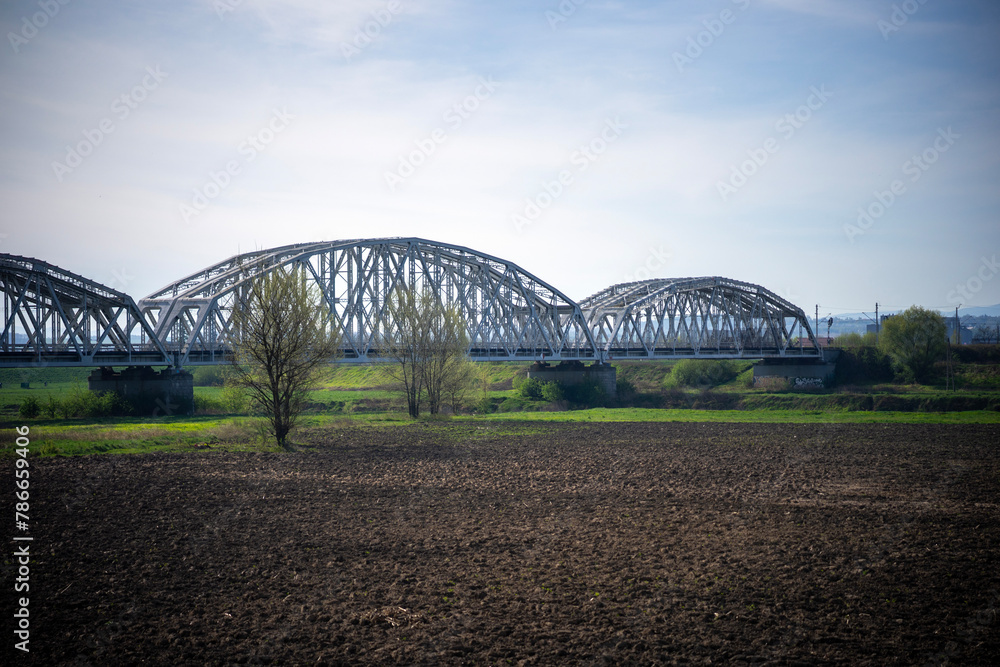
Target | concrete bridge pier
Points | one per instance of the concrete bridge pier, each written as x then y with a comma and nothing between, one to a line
569,373
818,373
167,392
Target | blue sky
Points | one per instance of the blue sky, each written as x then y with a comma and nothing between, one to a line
837,152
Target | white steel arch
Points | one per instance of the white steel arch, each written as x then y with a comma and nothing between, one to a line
510,314
697,317
52,317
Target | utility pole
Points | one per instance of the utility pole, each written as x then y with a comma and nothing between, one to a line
876,324
958,333
951,370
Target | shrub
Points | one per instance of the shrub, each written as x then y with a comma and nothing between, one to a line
864,364
552,392
585,394
87,404
486,406
701,373
234,399
51,407
625,389
853,341
29,408
529,388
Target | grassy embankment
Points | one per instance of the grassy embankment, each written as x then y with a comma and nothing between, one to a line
364,395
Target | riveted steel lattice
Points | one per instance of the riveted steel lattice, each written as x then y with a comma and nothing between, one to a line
696,317
509,313
52,317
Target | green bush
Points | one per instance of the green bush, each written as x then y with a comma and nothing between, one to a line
854,340
701,373
864,364
486,406
29,408
82,403
552,392
585,394
625,389
234,399
529,388
51,407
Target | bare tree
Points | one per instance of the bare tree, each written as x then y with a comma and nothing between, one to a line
426,342
986,334
282,339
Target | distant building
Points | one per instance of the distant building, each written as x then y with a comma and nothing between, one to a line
965,332
871,327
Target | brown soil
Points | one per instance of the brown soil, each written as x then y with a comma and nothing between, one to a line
526,544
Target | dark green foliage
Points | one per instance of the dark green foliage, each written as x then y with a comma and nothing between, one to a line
625,390
585,394
702,373
552,391
29,408
976,354
864,364
529,388
83,404
486,406
915,339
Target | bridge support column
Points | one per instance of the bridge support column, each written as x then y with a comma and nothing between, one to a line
800,373
569,373
167,392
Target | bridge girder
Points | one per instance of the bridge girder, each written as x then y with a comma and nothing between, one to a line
696,317
52,317
510,314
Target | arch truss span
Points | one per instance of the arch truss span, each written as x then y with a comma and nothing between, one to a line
697,317
52,317
509,313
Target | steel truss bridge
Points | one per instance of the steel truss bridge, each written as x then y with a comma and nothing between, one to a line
56,318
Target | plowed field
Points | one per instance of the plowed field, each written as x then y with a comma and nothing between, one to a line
533,543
